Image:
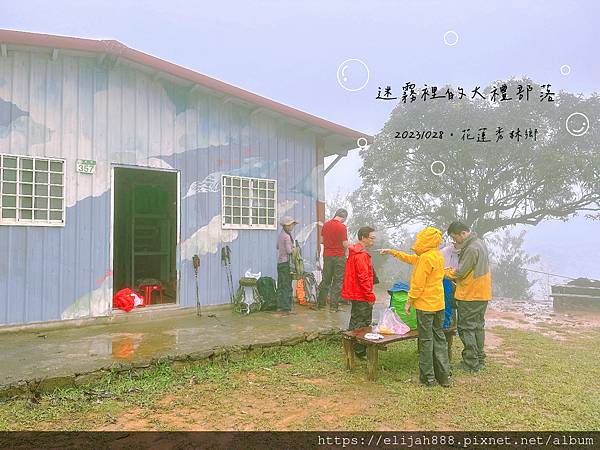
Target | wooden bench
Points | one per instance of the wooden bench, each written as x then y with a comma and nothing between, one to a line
373,347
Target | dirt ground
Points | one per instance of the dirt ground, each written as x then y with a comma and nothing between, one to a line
254,405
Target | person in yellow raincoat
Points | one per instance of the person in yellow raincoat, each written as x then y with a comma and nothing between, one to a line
426,295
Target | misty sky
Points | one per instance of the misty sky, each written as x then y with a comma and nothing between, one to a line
290,51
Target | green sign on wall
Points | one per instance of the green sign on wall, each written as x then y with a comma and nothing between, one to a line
86,165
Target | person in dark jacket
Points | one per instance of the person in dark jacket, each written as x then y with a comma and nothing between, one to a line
473,293
358,284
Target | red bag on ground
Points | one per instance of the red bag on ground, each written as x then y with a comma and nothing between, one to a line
127,299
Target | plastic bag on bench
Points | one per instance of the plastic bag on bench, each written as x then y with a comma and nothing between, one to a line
390,323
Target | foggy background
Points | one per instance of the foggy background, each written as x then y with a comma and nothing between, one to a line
290,51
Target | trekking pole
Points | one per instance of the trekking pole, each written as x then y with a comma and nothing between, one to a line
226,262
196,264
230,273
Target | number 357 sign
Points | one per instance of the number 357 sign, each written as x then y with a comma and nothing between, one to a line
86,165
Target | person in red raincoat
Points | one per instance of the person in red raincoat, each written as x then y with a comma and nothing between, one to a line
358,284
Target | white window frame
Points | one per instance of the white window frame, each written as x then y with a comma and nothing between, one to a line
249,197
21,196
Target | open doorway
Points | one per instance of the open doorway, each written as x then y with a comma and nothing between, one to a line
145,233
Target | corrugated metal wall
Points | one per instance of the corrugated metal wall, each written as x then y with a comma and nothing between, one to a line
76,108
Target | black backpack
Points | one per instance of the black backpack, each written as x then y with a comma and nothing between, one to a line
266,289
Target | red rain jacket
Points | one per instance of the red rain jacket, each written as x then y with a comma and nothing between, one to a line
358,276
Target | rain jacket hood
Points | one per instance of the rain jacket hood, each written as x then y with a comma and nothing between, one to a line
356,248
428,239
426,288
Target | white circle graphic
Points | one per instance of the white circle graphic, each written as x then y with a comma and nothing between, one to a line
565,69
353,75
362,142
577,124
437,164
454,39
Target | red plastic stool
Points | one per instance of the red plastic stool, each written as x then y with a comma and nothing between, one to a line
148,289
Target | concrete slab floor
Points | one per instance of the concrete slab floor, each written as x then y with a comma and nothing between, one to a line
59,356
68,355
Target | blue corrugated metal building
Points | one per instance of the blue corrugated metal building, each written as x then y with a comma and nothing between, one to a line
113,159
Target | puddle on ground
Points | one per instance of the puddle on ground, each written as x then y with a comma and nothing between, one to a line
124,346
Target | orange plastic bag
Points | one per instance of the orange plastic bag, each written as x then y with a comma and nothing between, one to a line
300,291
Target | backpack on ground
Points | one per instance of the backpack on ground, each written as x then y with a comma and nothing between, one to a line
266,289
247,299
311,288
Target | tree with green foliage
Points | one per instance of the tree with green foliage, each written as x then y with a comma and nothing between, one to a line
487,185
509,262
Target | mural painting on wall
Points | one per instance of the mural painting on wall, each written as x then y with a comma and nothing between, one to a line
21,130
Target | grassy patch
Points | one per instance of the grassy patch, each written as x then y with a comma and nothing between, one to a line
531,382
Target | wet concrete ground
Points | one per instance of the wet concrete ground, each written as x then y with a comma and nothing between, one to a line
69,355
72,355
65,356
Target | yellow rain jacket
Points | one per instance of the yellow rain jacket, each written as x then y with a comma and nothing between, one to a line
426,288
473,277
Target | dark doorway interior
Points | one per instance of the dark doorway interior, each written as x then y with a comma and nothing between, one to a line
145,232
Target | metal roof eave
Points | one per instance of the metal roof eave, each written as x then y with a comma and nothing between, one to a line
338,139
